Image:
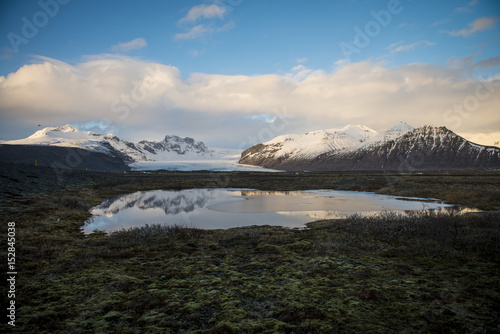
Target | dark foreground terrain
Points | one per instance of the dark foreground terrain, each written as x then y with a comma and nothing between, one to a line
424,273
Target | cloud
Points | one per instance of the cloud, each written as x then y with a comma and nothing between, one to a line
489,139
466,9
341,63
195,52
202,30
463,10
203,11
147,100
398,47
6,53
443,21
298,72
194,32
468,66
480,24
101,126
489,62
134,44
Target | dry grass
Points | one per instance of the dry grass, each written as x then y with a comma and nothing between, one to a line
422,273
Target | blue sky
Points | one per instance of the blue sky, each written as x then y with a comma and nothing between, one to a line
235,72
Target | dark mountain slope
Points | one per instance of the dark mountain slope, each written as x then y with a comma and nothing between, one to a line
61,157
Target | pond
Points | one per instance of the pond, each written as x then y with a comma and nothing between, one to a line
228,208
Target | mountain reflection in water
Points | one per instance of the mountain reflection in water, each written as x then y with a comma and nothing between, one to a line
228,208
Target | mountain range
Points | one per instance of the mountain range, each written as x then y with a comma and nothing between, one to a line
170,148
353,147
357,147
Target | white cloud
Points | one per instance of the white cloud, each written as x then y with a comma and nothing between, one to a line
203,11
463,10
195,52
341,62
480,24
443,21
134,44
398,47
395,45
194,32
298,72
152,100
489,139
202,30
466,9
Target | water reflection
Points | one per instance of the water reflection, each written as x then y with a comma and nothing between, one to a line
227,208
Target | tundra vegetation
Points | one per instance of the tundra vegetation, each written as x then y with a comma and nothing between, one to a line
421,273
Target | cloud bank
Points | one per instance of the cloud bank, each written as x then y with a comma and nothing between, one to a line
148,100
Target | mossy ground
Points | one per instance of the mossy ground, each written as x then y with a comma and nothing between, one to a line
386,274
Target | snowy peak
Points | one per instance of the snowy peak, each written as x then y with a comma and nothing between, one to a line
66,136
427,147
401,128
395,132
356,147
314,143
65,131
171,148
359,132
441,138
56,129
66,128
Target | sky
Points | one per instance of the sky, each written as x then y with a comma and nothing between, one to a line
233,73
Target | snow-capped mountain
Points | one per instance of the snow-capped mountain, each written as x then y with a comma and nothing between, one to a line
170,148
401,148
312,144
173,148
287,149
396,131
66,136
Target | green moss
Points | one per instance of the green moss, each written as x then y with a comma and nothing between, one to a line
379,274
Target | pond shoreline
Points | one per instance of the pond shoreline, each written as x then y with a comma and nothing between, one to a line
425,273
216,208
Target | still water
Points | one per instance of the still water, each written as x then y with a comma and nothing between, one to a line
228,208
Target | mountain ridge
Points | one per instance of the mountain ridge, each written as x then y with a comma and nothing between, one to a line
170,148
401,148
